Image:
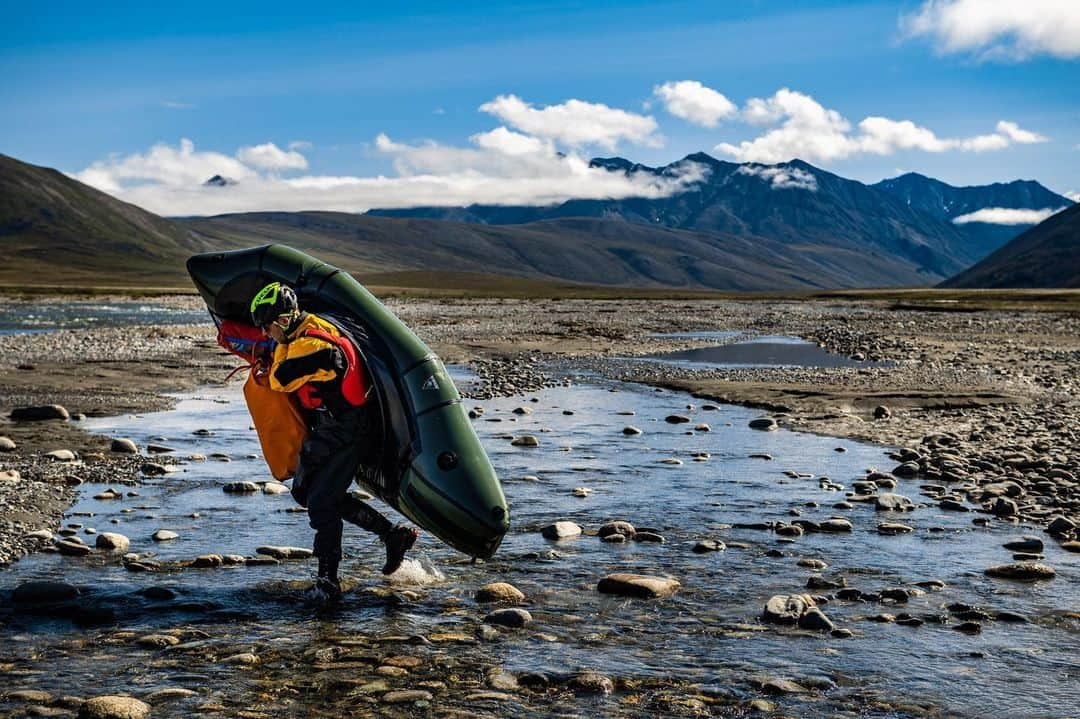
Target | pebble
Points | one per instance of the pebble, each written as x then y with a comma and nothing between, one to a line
7,445
637,585
525,440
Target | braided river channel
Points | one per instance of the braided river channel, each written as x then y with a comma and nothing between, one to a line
702,651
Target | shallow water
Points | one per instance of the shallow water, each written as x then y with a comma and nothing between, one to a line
707,634
42,314
760,351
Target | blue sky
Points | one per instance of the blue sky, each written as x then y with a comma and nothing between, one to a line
92,89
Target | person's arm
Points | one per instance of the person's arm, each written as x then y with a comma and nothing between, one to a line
305,359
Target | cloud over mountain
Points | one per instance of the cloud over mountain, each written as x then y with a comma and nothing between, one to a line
1007,216
805,128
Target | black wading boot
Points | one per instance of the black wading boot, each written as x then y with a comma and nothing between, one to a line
327,587
398,540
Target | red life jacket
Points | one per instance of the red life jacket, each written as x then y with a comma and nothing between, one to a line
354,384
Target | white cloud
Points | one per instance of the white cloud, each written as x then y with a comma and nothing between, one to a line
165,166
695,103
269,156
300,145
575,123
1023,137
176,105
1007,216
509,142
502,167
808,130
781,178
1074,196
999,29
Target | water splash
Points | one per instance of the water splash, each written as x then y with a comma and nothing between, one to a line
417,573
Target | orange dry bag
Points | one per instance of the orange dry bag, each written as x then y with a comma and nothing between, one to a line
279,423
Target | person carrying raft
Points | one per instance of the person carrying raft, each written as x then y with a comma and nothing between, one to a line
319,364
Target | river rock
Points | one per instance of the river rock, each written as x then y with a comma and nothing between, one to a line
561,530
1022,571
61,455
644,536
1061,526
10,475
157,640
71,547
591,683
123,445
890,502
786,609
42,591
907,470
499,592
952,505
1071,546
114,707
7,445
1033,545
767,424
817,564
274,488
284,552
169,694
676,419
815,620
630,430
153,469
37,414
513,618
109,494
641,586
525,440
113,542
164,535
709,545
406,696
522,410
207,561
835,524
890,529
240,487
617,527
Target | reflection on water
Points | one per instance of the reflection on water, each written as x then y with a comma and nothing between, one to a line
762,351
707,633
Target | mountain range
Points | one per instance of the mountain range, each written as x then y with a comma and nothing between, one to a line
1047,255
742,227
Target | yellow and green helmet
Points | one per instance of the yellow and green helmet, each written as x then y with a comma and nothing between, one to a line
272,301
